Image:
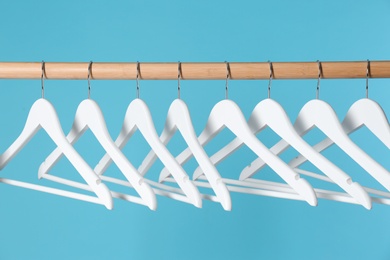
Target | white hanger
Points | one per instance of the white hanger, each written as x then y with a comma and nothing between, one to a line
43,115
89,116
366,112
320,114
227,114
179,119
138,117
269,113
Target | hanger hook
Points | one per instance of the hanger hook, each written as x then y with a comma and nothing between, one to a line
89,77
138,73
178,78
271,76
43,76
319,79
367,76
228,76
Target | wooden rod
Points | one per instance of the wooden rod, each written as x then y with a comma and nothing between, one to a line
194,71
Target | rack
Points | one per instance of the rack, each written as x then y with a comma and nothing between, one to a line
194,71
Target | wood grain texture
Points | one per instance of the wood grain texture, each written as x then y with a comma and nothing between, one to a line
194,71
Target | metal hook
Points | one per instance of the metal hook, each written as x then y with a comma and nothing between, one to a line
178,78
367,76
271,76
138,73
319,79
89,77
228,76
43,75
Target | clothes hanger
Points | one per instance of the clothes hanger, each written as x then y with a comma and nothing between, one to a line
178,119
270,113
89,116
366,112
226,114
42,115
138,117
320,114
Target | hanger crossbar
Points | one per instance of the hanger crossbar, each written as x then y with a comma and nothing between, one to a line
50,190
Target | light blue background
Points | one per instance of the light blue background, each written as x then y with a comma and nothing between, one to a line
41,226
